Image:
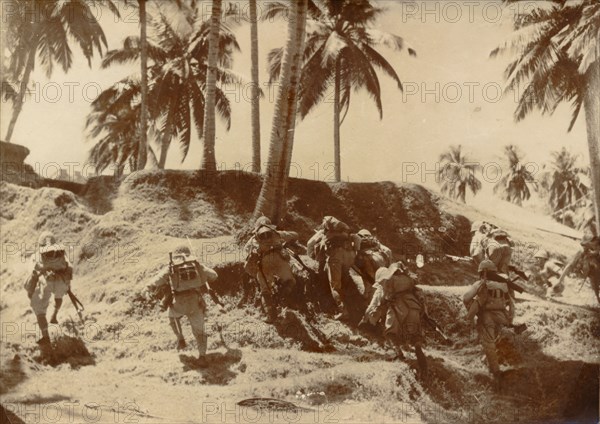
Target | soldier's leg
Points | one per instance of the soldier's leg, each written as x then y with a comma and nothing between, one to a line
334,267
175,324
391,334
39,303
488,333
197,323
60,289
266,295
57,305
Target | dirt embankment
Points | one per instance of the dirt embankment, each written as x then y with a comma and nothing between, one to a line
121,242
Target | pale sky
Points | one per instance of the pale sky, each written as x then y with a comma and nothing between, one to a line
451,97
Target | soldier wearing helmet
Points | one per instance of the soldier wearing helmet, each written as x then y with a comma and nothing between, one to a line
550,270
51,277
497,247
479,230
491,301
182,284
269,262
588,255
371,255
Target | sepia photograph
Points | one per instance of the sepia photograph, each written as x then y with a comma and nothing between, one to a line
300,211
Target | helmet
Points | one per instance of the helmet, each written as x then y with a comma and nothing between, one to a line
498,233
182,249
487,265
263,220
364,233
589,241
542,254
47,243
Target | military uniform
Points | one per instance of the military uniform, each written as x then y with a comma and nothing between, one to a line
187,280
498,249
550,270
334,247
589,256
371,255
269,261
491,302
398,299
479,231
51,276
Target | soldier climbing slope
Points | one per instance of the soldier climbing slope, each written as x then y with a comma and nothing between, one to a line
269,262
398,299
490,299
51,275
550,270
498,248
371,255
479,231
187,280
334,248
589,256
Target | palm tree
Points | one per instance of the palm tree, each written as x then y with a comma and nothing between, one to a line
209,161
457,173
41,29
566,185
255,101
176,84
514,184
557,47
340,52
271,201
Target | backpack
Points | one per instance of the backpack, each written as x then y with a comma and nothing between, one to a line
369,243
185,273
336,226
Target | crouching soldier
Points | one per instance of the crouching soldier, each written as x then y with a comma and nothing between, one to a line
479,231
589,257
51,276
371,255
334,248
269,262
550,270
498,249
398,299
187,280
490,300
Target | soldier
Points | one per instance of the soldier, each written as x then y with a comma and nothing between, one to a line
269,261
479,231
498,248
398,299
550,270
371,255
51,275
589,256
491,301
187,280
334,247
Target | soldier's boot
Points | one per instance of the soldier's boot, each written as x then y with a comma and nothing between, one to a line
343,314
493,363
57,305
43,324
422,362
392,341
175,324
268,303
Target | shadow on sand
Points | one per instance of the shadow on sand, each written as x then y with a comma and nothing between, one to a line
218,369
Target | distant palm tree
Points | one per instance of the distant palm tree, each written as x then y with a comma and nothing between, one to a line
340,52
43,30
566,185
457,173
514,184
177,76
557,47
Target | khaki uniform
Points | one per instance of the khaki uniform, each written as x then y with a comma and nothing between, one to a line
189,303
476,248
48,279
499,252
550,274
370,259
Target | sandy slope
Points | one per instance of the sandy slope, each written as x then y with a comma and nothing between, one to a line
126,369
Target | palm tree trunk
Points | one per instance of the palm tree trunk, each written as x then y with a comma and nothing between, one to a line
273,181
336,124
591,103
255,88
143,148
164,148
18,105
209,161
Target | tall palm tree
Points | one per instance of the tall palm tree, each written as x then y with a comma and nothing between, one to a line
557,47
143,144
255,101
566,185
340,52
45,35
271,201
176,86
514,184
209,161
457,173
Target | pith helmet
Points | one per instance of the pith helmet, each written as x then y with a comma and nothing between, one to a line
475,226
364,233
182,249
48,243
542,254
487,265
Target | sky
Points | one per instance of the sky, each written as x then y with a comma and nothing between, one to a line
452,95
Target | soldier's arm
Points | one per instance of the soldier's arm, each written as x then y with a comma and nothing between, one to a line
210,274
160,280
33,279
288,236
570,265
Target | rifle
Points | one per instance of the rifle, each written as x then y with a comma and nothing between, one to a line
433,324
78,305
510,283
518,272
460,258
